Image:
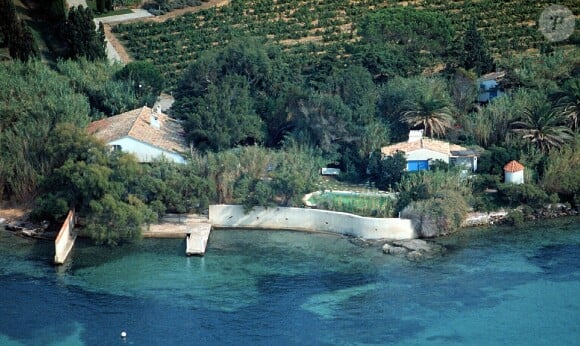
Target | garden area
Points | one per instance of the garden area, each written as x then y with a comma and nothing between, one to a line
363,204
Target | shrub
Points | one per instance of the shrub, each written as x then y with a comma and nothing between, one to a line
485,181
515,218
437,216
532,195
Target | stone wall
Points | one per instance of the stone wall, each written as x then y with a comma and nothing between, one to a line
310,220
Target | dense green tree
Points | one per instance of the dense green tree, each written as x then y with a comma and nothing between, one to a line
111,221
476,54
224,116
107,92
544,127
56,9
324,121
8,20
22,45
80,34
562,174
464,91
386,172
145,78
96,183
100,6
354,85
16,34
567,101
402,40
492,160
268,79
37,100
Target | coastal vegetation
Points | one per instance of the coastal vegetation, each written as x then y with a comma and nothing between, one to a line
268,93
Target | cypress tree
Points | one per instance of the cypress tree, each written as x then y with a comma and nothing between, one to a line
475,51
8,20
16,34
82,38
22,45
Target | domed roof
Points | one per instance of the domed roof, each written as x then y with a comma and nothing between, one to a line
513,166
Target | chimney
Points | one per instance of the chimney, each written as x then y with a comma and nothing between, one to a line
154,121
415,135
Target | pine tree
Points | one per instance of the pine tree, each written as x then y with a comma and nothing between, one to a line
475,51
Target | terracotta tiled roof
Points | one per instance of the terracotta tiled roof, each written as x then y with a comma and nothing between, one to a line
513,166
430,144
137,125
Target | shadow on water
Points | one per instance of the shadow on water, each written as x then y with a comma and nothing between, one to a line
558,262
314,291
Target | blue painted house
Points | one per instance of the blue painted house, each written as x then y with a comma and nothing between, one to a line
489,86
420,151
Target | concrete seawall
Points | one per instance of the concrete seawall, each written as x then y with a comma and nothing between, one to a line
310,220
65,240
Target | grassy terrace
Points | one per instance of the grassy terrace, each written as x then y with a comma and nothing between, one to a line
308,28
360,199
377,205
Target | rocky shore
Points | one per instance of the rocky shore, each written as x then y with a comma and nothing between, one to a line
549,211
413,249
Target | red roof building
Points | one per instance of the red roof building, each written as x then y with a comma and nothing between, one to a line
513,166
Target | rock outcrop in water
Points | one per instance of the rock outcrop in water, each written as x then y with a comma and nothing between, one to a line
413,249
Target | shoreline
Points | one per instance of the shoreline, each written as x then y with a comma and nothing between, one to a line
177,226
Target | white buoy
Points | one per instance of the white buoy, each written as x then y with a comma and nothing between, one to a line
123,334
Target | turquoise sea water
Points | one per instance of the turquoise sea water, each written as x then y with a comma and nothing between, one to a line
492,286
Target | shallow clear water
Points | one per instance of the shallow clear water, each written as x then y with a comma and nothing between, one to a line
493,286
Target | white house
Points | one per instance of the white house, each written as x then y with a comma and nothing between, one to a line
420,151
147,133
514,172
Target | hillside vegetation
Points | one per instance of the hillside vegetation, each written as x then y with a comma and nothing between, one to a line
312,30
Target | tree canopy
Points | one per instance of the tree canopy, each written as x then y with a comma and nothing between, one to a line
80,34
476,53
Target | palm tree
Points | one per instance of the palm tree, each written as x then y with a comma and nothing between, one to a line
429,110
543,126
568,102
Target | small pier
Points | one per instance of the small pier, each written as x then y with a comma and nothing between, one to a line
196,240
195,230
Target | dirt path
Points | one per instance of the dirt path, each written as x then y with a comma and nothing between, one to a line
10,214
117,46
180,12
